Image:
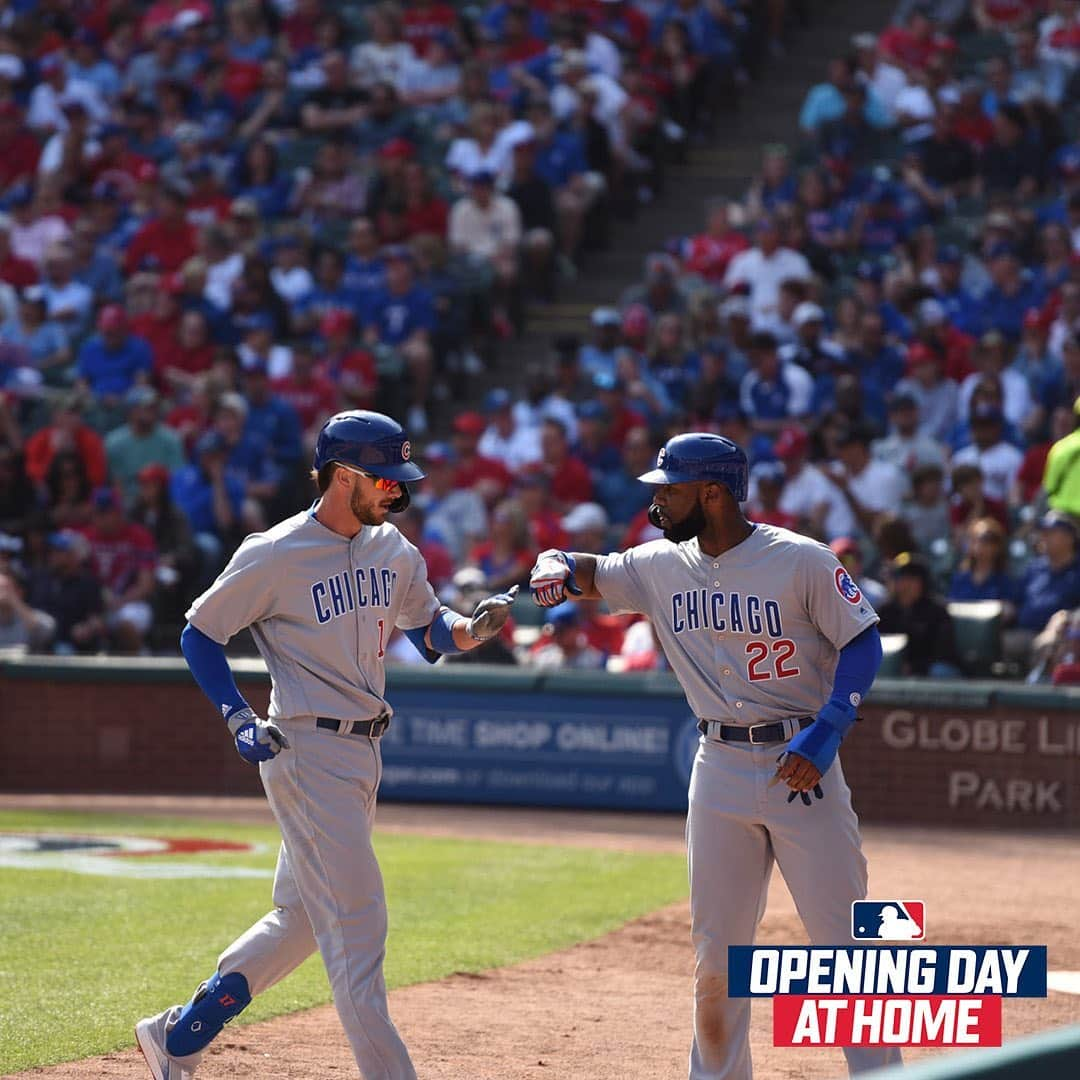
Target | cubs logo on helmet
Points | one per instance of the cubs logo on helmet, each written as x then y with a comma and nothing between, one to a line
406,450
701,455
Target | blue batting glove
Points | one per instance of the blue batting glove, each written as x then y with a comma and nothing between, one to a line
256,739
820,742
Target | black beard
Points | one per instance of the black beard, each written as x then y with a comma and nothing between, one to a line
688,528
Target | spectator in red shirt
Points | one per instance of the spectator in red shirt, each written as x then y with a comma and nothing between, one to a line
188,353
167,240
489,478
162,14
194,418
425,212
587,528
569,477
545,526
1029,478
506,557
154,305
709,253
347,365
768,477
425,20
15,271
19,150
639,530
622,419
310,391
67,432
124,557
621,22
116,162
519,45
970,123
913,45
951,346
440,566
969,502
604,632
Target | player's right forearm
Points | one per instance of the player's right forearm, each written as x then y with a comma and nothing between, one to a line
585,575
210,669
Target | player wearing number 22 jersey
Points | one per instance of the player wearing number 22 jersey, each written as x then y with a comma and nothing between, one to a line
321,592
774,646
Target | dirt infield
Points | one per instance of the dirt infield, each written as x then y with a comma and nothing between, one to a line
619,1007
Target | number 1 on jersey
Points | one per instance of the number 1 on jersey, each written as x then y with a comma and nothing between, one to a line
757,652
382,630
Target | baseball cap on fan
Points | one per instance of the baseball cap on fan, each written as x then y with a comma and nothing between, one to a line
808,312
791,443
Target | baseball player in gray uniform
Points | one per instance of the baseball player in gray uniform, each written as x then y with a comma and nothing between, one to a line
321,591
774,646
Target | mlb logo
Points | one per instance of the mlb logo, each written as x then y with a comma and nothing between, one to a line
888,920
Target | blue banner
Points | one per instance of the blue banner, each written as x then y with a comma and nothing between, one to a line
539,749
898,970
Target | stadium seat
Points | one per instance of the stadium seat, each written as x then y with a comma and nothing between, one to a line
978,634
892,662
526,613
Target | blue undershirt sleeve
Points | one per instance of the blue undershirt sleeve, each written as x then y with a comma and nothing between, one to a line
416,635
857,668
210,669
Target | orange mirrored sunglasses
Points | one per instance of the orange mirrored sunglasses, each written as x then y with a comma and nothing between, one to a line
381,483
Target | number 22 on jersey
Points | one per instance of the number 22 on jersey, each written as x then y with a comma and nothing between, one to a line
770,660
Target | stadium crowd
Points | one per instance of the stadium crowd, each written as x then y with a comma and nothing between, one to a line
221,224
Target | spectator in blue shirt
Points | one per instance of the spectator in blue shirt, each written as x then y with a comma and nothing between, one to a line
401,317
773,393
869,292
982,573
825,101
272,417
365,271
257,176
211,497
600,355
114,360
961,306
248,455
331,293
712,27
875,360
1052,581
560,155
616,491
1012,293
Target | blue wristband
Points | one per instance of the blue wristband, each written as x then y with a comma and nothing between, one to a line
442,631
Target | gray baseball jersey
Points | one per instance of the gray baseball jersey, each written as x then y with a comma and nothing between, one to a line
321,608
752,634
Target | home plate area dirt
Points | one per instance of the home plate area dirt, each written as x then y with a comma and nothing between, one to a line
618,1008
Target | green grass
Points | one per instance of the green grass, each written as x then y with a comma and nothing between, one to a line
81,957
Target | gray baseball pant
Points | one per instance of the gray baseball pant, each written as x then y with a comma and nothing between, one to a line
736,828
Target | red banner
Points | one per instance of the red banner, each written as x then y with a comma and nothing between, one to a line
886,1021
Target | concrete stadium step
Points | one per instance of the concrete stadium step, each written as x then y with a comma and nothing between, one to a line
768,113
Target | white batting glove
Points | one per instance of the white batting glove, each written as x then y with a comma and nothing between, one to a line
552,577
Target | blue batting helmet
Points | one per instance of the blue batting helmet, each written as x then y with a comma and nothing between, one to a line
369,441
698,455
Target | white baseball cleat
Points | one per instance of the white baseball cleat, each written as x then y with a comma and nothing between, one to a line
150,1035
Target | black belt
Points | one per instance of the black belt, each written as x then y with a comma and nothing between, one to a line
755,733
370,729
